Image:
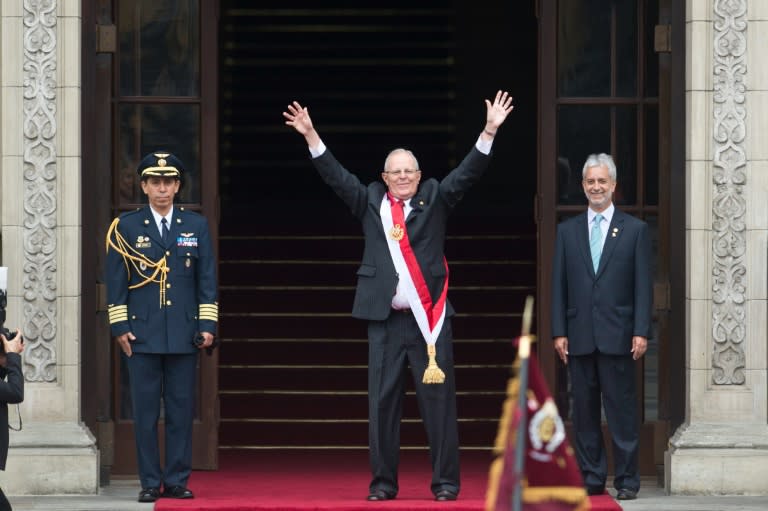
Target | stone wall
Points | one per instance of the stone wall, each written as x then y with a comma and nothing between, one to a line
40,143
723,446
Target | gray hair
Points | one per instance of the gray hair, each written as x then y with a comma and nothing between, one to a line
600,160
400,150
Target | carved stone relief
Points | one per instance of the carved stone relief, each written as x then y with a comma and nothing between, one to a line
728,203
39,219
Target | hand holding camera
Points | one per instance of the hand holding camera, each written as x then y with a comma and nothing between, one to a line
12,342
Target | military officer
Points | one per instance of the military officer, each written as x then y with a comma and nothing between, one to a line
161,289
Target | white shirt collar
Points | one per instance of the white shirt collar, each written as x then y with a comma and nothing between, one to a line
607,214
159,218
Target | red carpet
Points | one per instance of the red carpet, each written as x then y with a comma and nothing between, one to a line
325,481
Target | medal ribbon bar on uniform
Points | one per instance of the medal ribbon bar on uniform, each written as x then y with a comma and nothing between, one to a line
429,316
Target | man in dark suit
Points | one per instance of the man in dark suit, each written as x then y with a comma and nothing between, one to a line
401,291
161,289
601,320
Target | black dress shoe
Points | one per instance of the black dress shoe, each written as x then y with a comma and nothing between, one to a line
444,495
626,494
149,494
178,492
595,490
380,494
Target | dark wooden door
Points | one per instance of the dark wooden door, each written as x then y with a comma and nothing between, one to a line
379,75
153,82
606,87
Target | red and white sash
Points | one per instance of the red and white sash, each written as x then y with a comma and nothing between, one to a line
428,316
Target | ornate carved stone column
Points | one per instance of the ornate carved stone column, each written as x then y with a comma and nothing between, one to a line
41,240
723,446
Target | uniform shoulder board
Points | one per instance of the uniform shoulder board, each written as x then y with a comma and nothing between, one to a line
130,213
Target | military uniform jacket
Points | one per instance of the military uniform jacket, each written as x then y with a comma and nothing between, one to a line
426,225
189,299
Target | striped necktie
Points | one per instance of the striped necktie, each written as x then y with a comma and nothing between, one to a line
596,241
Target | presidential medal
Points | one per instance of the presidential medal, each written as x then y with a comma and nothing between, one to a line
397,232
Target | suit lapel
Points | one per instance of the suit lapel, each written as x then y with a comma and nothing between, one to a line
151,227
417,206
418,203
177,227
611,239
582,235
374,199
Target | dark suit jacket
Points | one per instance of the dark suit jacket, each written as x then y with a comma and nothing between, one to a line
602,310
191,283
11,392
426,224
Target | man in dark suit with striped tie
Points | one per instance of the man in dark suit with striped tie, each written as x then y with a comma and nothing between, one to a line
401,291
601,321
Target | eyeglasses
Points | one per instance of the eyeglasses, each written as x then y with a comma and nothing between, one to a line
402,172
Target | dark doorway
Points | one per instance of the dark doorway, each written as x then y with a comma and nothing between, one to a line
147,68
613,90
375,76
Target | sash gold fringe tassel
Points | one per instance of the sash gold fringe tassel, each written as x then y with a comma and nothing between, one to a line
433,374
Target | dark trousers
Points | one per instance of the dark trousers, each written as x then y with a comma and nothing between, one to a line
4,504
172,378
394,344
610,378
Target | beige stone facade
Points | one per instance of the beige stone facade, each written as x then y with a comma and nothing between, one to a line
721,448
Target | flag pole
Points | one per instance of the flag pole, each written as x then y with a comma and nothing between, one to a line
523,353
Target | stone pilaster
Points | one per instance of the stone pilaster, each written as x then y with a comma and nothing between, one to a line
723,446
41,239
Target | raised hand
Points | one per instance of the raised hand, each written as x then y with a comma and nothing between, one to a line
298,118
497,111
